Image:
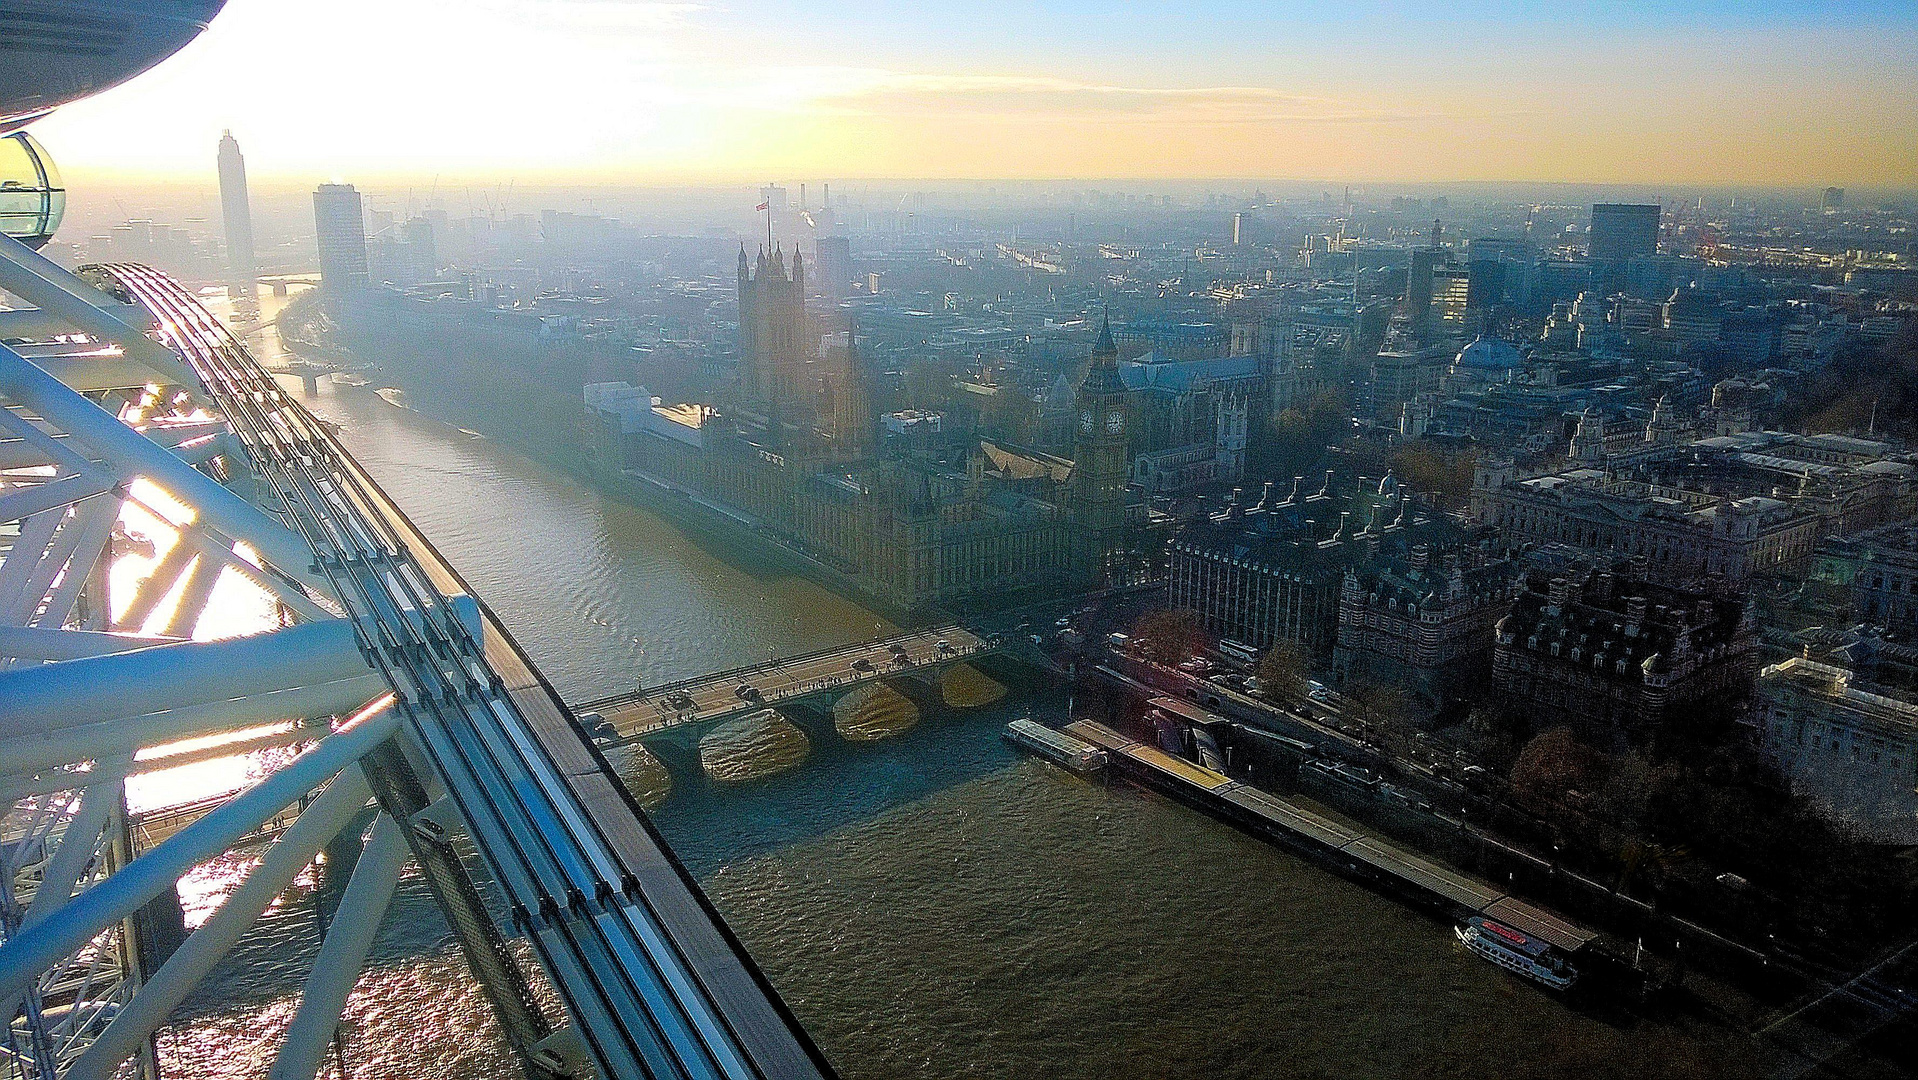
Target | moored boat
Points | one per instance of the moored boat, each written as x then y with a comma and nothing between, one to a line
1517,952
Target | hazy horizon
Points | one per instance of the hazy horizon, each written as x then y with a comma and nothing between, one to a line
649,93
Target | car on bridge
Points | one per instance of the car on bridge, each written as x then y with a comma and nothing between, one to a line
748,692
862,664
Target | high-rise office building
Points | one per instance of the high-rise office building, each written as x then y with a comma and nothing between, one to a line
1239,222
417,234
1620,233
1451,296
1516,258
1622,230
1485,284
1418,289
338,217
238,215
832,260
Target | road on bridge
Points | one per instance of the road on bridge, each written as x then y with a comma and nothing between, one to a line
742,690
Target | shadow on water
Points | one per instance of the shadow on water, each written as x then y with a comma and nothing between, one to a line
711,824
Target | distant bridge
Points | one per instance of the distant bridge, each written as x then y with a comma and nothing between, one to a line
726,694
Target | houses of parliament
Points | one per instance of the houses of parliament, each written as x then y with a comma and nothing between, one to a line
793,450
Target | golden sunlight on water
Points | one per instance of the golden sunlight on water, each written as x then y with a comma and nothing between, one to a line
205,888
643,774
966,687
162,788
752,747
453,1037
873,711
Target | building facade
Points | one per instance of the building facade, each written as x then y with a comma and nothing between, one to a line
1615,656
1847,745
236,213
1274,571
1191,420
1422,619
340,224
792,453
1884,579
1726,507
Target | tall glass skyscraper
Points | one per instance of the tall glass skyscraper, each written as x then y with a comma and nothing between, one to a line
340,220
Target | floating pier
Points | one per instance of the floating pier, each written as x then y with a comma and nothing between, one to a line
1354,853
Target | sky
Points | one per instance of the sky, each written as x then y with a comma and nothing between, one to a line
1798,94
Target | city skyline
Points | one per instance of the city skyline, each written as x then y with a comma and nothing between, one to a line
653,92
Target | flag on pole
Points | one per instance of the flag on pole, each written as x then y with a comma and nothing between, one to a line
763,206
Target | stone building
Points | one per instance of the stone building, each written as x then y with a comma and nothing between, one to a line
1191,419
777,345
1273,571
1422,620
1616,656
1884,578
1725,507
792,454
1848,745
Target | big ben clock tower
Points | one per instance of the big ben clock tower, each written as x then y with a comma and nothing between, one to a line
1099,459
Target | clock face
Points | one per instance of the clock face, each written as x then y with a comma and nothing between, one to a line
1085,420
1115,421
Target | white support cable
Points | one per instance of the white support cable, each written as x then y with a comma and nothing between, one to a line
24,558
26,500
78,850
322,820
349,937
34,950
55,450
78,845
75,527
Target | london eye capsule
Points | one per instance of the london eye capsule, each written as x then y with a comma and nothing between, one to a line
32,198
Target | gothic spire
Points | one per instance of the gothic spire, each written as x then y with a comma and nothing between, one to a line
1103,376
1105,351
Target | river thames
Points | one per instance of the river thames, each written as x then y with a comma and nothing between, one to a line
930,904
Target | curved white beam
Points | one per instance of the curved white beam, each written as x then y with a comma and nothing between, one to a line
38,643
91,742
26,501
59,292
